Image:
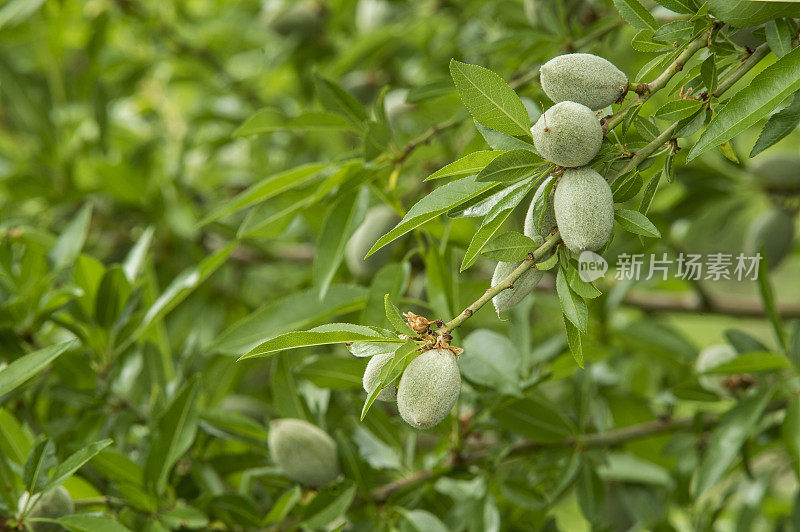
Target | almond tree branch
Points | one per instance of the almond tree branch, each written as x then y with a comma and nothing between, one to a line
609,438
646,90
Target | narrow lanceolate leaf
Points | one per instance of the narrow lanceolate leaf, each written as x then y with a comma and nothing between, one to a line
767,90
727,439
708,72
489,99
336,100
135,259
484,233
511,165
573,305
438,202
41,458
318,336
674,32
339,225
65,469
778,126
71,240
685,7
750,363
574,340
267,188
509,247
768,298
678,110
649,193
636,14
29,365
91,523
172,436
470,164
395,318
636,222
269,120
182,286
779,36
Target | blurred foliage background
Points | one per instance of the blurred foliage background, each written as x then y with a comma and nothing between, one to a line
119,134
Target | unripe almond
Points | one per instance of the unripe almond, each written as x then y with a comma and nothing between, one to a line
304,452
584,78
523,286
371,373
568,134
773,232
584,209
429,388
377,222
52,504
711,357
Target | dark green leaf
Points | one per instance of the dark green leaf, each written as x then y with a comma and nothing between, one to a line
510,246
636,14
470,164
636,222
778,126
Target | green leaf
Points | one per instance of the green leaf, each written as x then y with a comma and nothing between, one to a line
501,141
438,202
336,100
643,42
492,361
91,523
327,506
268,120
790,433
134,260
294,311
71,240
396,318
636,222
511,165
574,341
423,521
392,279
779,36
649,193
727,439
686,7
750,363
470,164
494,219
183,285
267,188
627,187
768,298
65,469
295,339
534,417
674,32
635,14
376,139
590,492
490,100
112,294
15,443
29,365
581,287
708,71
172,435
743,342
429,91
339,225
41,459
763,94
675,110
778,126
281,508
510,246
334,373
572,304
